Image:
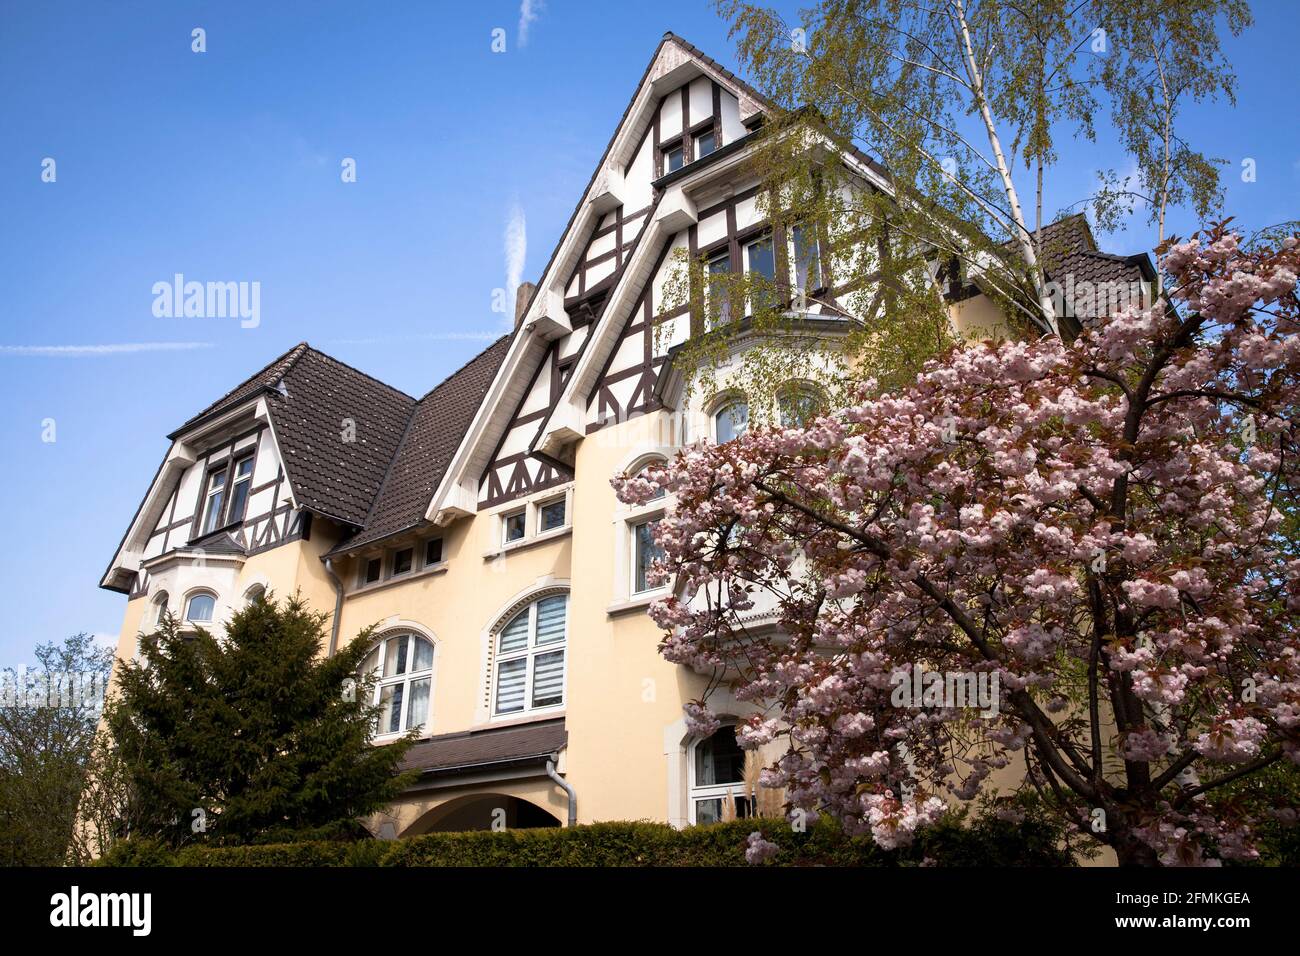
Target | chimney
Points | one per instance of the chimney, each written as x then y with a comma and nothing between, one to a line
523,295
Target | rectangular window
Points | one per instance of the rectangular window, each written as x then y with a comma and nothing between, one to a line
216,499
374,566
807,259
433,552
719,298
762,272
513,524
403,560
552,515
645,551
239,490
674,158
705,143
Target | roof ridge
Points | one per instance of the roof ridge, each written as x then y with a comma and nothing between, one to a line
351,368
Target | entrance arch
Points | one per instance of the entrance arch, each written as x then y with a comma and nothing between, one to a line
479,811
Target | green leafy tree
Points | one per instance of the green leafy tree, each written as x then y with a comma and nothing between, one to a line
47,728
255,734
966,105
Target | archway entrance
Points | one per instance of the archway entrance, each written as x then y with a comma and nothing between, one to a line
483,811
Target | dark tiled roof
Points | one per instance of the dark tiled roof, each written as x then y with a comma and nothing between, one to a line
496,745
266,378
1070,252
432,435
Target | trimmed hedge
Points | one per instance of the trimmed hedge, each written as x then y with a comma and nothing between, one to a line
986,842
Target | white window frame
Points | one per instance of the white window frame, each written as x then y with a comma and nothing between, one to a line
546,503
211,490
189,600
649,517
392,561
712,791
746,253
728,401
424,552
235,480
813,280
531,652
405,680
160,611
506,540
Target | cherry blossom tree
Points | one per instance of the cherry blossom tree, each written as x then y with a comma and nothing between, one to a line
1105,527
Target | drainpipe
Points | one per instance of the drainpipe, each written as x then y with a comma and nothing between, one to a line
568,788
338,605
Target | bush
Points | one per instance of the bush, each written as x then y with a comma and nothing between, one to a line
987,842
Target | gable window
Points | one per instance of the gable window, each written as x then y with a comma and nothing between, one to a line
552,515
513,525
243,482
675,158
717,768
719,268
199,608
373,569
403,561
762,271
731,421
645,553
403,670
705,143
215,501
807,259
529,666
432,552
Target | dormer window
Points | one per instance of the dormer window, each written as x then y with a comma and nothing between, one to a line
239,492
215,501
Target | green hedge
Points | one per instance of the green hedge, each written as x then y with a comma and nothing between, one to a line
987,842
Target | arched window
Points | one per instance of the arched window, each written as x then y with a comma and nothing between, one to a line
652,461
717,769
254,594
160,609
199,607
403,670
528,669
731,420
799,403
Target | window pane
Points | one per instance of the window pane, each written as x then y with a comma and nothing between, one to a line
402,560
719,303
395,658
719,759
212,517
732,421
553,515
798,406
200,608
421,654
708,811
548,679
433,552
762,269
676,158
510,685
705,143
371,663
418,710
238,501
514,526
550,618
646,552
514,636
373,567
807,260
390,709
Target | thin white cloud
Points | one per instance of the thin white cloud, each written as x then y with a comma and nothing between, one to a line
516,249
529,11
93,351
425,337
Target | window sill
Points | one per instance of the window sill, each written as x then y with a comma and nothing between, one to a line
431,571
636,602
527,717
524,543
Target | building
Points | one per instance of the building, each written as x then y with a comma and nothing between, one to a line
477,524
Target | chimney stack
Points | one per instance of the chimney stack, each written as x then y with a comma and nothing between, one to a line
523,295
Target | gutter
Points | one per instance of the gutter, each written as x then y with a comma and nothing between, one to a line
568,788
338,605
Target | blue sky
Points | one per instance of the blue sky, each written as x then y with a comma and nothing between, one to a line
226,165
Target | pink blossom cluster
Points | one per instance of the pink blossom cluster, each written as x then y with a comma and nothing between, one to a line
1100,522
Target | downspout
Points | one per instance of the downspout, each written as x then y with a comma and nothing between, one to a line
338,605
568,788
